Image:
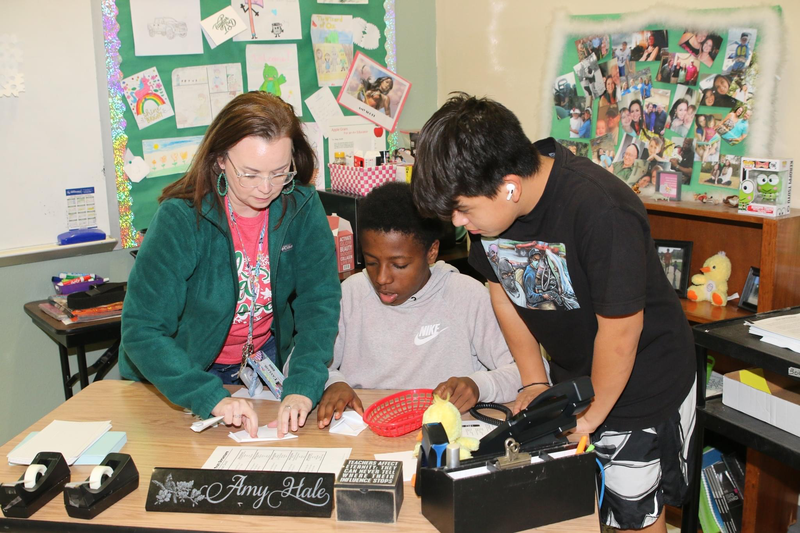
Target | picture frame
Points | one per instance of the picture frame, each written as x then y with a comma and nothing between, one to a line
367,92
668,184
675,258
749,298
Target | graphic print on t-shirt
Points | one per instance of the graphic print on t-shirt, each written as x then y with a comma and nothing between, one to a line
264,300
534,274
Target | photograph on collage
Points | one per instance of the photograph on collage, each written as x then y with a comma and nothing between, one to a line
603,151
703,45
722,173
565,95
597,45
739,50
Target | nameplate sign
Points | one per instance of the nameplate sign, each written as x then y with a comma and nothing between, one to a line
190,490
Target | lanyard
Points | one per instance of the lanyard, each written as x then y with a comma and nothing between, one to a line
252,272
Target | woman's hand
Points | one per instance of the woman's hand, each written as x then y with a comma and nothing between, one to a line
292,414
335,400
238,412
526,396
462,392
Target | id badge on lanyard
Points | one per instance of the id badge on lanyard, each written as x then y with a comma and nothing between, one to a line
268,372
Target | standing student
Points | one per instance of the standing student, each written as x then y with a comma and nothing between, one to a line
610,311
409,323
233,242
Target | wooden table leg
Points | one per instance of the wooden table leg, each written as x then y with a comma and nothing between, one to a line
770,494
65,371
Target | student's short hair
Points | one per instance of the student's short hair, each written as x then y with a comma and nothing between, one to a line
390,207
612,112
466,149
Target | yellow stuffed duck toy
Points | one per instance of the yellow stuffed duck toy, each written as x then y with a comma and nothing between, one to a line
712,284
444,412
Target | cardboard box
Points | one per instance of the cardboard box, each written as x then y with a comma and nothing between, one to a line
369,491
345,206
765,186
343,237
764,395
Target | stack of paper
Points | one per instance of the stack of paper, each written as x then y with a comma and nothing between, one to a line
782,331
71,439
111,442
264,434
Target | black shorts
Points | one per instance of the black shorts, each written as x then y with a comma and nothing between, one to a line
646,469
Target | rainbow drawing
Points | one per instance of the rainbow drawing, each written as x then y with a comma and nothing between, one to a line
149,97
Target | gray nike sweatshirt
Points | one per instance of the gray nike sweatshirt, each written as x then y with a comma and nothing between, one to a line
447,329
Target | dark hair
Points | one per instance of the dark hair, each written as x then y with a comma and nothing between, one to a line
466,149
253,114
390,207
675,105
376,85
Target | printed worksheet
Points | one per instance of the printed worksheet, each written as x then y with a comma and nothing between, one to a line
321,460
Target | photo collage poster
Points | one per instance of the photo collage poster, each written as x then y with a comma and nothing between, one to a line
659,99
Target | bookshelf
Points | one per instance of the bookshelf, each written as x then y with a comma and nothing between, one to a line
772,245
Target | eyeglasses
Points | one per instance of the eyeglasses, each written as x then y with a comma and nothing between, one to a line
251,181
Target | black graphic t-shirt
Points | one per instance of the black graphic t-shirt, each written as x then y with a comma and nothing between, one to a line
586,250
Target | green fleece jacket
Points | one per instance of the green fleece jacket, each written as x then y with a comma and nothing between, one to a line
182,295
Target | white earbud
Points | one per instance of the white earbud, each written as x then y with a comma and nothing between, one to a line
510,187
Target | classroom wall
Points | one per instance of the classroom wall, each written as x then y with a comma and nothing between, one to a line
30,379
499,48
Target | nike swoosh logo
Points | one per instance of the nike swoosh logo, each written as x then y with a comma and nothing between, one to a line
419,342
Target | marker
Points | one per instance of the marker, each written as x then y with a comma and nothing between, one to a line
590,448
70,275
582,445
77,280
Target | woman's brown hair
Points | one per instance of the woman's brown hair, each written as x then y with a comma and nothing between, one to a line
253,114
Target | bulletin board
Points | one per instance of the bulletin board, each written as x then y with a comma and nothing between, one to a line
700,113
138,200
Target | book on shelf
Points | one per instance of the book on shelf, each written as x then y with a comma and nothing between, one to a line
721,492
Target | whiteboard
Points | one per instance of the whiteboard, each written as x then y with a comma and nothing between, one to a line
51,138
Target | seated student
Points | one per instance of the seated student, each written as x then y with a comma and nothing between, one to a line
405,324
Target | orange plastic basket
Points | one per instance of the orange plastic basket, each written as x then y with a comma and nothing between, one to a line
399,413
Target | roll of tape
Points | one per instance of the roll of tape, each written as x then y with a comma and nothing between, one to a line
32,474
96,478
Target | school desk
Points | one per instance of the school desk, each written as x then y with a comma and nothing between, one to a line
78,336
159,435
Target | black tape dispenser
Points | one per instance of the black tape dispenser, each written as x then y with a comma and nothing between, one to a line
109,482
42,480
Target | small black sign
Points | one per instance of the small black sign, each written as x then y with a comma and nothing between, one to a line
369,472
189,490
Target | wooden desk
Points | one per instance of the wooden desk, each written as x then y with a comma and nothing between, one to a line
78,336
771,489
159,435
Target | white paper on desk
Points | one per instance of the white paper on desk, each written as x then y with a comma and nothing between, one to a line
351,424
266,394
475,429
408,459
354,133
320,460
71,439
324,109
265,434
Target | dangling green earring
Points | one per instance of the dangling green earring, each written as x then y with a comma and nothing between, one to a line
289,190
219,184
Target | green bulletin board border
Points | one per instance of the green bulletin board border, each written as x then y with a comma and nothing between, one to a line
566,56
138,201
